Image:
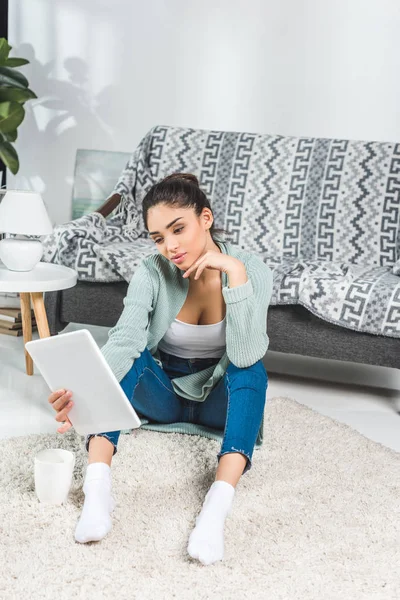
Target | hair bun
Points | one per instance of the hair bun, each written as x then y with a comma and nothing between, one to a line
186,176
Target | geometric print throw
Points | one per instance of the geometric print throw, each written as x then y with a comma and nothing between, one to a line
283,197
324,214
356,297
75,244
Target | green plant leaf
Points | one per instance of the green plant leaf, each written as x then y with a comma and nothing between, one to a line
31,93
16,62
4,50
9,157
8,94
13,78
10,136
11,116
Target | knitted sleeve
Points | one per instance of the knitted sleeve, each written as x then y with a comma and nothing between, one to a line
246,314
128,338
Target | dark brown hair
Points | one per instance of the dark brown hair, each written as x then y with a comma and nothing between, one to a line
180,190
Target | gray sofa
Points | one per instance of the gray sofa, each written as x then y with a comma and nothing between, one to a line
324,214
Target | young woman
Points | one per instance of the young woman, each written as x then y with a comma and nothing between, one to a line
187,347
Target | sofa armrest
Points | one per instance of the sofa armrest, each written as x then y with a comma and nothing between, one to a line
109,205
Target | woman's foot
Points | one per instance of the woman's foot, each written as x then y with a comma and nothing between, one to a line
206,542
95,521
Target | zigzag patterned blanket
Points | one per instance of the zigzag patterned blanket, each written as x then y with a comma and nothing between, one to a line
323,214
343,294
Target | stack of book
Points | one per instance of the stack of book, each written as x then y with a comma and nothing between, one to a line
11,321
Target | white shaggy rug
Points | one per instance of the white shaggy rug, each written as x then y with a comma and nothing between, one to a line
317,517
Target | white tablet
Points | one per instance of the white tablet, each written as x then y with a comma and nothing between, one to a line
73,361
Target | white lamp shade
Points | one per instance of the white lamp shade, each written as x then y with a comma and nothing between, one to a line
24,213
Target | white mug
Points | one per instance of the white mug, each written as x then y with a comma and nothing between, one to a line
53,475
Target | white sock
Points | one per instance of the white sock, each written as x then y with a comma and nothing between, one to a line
206,542
95,521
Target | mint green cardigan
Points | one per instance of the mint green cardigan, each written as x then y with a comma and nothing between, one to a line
155,296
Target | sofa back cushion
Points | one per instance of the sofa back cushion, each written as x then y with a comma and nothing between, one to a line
283,197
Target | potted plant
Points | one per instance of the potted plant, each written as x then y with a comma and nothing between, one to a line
14,92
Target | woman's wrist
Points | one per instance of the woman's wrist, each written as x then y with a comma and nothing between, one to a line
237,276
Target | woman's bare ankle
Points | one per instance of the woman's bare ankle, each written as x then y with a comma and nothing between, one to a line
100,450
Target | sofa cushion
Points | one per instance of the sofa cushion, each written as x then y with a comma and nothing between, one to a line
357,297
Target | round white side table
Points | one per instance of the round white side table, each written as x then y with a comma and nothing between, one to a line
45,277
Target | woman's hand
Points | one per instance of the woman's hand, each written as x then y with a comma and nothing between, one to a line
61,401
214,260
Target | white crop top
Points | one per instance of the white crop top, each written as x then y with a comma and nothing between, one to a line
195,341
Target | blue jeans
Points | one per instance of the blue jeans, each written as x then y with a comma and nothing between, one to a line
235,406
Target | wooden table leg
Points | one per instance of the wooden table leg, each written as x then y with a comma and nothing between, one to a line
26,328
40,314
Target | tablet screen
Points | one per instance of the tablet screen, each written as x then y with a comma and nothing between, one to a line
74,362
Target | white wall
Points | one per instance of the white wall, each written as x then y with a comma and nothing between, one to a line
106,71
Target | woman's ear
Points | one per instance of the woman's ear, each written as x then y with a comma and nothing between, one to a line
207,218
